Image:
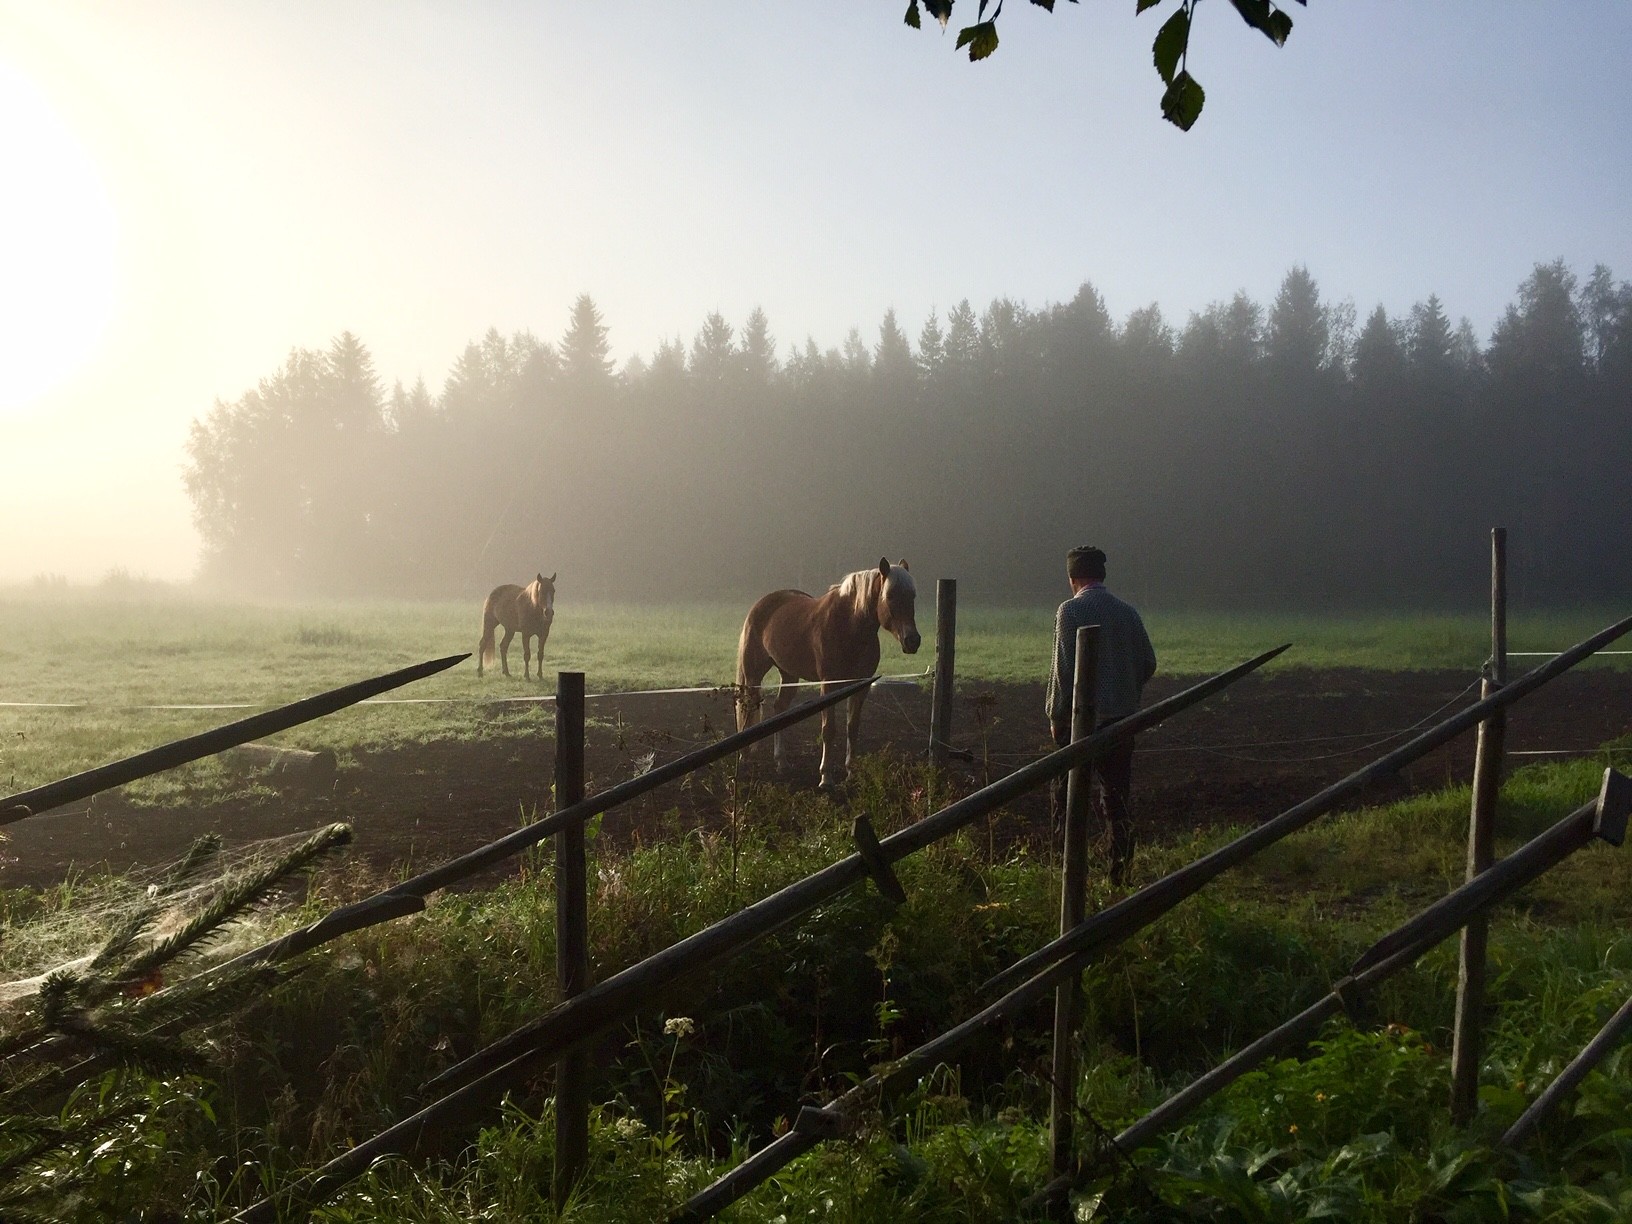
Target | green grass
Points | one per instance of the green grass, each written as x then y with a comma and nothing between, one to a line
114,651
341,1050
1013,644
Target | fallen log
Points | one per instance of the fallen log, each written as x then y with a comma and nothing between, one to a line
291,767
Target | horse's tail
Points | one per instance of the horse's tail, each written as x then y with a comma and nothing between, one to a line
484,649
749,654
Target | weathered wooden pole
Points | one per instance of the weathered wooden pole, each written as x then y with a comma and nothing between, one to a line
1468,1038
1073,907
473,1085
1604,818
618,994
1069,953
571,935
946,633
208,743
409,896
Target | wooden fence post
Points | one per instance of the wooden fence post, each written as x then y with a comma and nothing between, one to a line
1073,904
1467,1041
940,707
571,934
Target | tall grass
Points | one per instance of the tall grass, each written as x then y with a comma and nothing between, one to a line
1356,1131
339,1051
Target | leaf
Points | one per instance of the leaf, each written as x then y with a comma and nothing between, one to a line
1047,4
1145,4
981,40
1263,16
912,18
1181,104
1171,42
941,10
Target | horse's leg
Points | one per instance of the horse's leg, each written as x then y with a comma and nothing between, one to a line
484,648
527,657
504,649
784,698
832,775
852,729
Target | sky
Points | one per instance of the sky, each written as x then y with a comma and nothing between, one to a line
193,188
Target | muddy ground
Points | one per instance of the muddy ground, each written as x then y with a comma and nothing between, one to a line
1240,757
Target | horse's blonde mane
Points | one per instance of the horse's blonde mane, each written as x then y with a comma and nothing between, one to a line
861,587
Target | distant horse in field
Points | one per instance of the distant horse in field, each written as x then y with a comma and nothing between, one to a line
527,610
832,639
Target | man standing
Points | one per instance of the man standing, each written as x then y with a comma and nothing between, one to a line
1125,662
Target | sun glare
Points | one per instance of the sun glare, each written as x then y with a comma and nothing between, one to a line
58,237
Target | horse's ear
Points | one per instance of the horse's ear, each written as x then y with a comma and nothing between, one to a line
552,578
884,566
902,563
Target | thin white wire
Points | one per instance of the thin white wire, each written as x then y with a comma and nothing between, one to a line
895,678
1565,751
1553,654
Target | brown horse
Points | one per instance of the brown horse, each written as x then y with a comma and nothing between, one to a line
529,610
832,639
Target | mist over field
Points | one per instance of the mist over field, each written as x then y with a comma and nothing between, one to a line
1254,454
309,300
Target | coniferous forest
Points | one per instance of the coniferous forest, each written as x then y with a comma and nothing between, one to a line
1294,454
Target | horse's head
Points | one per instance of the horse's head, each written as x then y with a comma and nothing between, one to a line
896,595
544,595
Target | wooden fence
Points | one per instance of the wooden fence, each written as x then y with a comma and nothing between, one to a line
470,1088
586,1010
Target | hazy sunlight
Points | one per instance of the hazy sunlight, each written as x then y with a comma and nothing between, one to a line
58,235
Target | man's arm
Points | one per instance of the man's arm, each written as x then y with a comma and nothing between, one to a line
1061,676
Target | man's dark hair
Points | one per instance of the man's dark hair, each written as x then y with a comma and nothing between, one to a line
1085,563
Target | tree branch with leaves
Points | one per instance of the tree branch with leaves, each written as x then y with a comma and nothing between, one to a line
1183,99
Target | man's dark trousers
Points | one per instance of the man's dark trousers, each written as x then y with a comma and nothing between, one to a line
1112,786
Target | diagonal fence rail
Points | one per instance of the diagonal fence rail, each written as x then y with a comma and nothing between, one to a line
470,1088
1067,956
1603,818
409,896
207,743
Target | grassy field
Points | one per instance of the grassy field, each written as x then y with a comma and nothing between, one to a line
106,654
1355,1131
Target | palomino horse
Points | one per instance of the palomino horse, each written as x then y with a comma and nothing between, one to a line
528,610
832,639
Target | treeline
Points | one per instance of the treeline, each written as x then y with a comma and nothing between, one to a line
1286,455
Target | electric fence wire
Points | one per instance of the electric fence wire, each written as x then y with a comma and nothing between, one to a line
1227,751
536,699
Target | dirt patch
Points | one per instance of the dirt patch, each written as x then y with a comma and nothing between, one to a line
1240,757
